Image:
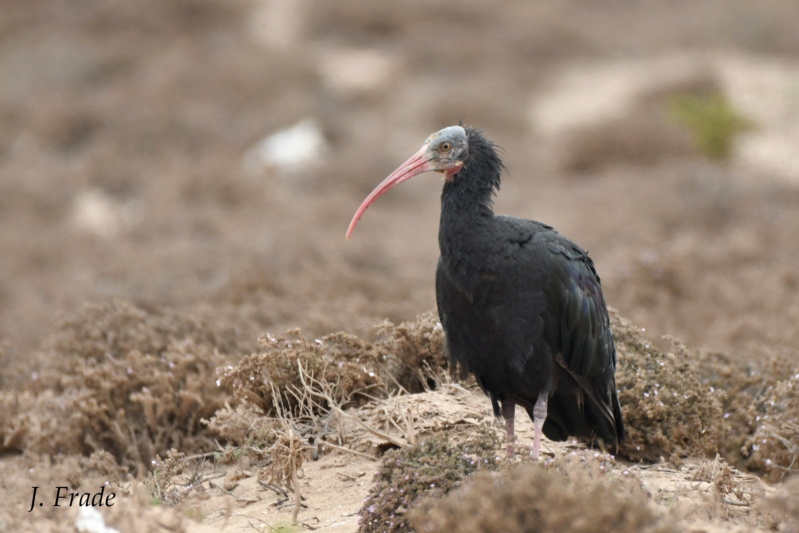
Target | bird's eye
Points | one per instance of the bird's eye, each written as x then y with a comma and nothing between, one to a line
445,147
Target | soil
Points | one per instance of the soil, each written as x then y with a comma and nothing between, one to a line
151,232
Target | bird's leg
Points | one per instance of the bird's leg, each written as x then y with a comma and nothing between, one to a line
539,417
508,412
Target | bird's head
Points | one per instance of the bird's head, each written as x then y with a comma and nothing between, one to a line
444,151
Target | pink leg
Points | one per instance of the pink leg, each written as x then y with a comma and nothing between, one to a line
539,417
508,412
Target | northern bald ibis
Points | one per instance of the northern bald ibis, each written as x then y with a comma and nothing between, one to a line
521,306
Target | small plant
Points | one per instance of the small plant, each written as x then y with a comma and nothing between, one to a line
162,478
432,468
287,456
711,119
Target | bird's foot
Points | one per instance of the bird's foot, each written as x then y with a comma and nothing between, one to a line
534,454
539,417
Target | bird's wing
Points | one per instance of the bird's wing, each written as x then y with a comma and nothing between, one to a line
577,326
559,293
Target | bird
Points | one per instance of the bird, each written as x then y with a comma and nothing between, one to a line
521,306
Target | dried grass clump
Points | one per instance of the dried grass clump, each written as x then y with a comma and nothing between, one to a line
275,375
414,351
432,468
287,455
774,447
310,382
243,424
534,499
761,408
667,411
133,406
725,481
161,480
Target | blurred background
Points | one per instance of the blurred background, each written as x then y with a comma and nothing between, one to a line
205,156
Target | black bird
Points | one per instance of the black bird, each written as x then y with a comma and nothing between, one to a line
521,305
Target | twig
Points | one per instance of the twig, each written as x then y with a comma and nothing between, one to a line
393,440
275,488
343,449
297,496
737,503
255,528
200,456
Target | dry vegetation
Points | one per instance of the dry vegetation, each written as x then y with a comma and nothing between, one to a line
760,410
114,404
274,376
668,411
430,469
102,393
542,499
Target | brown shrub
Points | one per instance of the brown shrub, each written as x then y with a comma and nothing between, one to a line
413,351
341,360
122,380
667,411
243,424
761,408
432,468
725,481
133,407
535,499
774,447
290,372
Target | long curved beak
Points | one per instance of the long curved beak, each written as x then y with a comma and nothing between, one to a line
419,162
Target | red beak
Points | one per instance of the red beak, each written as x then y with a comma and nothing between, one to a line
418,163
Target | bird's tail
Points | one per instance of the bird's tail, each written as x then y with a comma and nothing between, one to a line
585,419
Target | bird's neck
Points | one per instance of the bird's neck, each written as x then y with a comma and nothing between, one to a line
467,212
466,204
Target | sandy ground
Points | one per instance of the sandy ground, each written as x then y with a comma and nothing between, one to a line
137,162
